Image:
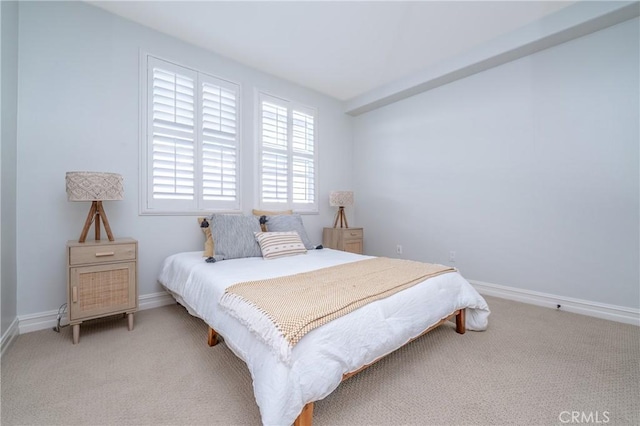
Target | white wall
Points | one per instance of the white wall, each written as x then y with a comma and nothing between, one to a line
78,110
528,171
9,91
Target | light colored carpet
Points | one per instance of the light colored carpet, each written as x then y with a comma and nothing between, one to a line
530,366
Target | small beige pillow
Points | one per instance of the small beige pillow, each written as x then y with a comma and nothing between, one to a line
269,213
280,244
208,244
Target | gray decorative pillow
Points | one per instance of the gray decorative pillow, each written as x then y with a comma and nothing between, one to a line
289,222
233,236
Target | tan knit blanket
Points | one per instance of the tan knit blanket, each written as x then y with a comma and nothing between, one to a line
299,303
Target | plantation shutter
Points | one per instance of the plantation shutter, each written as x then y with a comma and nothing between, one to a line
172,132
275,163
303,158
287,155
220,143
193,145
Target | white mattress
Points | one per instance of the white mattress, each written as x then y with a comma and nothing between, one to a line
320,359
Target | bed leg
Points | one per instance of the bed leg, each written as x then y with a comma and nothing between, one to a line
306,416
212,339
460,322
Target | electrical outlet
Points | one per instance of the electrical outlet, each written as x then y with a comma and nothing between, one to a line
398,249
452,256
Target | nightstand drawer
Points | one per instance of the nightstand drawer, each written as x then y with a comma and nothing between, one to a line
101,253
348,234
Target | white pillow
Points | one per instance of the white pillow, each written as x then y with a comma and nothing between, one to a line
280,244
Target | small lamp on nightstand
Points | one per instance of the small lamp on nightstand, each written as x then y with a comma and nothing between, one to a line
341,199
95,187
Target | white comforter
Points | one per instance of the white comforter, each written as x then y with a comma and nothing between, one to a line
320,359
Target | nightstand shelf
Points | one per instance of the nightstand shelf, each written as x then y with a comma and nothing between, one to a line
102,280
345,239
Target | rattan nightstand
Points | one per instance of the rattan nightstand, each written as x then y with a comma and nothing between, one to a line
345,239
102,280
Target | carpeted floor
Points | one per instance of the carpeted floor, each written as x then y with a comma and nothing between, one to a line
533,366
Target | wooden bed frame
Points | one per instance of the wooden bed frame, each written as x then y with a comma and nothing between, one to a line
305,418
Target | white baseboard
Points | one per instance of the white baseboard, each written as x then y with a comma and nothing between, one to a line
9,336
49,319
578,306
39,321
154,300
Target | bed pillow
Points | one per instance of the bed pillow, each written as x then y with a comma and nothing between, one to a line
233,236
280,244
260,213
285,223
208,243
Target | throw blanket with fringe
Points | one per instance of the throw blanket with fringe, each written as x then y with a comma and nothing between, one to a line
297,304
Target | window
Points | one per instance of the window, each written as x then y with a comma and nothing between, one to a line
191,145
288,155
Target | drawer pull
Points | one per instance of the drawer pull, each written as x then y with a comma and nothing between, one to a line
353,234
75,294
106,253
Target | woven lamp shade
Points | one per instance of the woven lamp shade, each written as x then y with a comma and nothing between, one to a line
94,186
341,198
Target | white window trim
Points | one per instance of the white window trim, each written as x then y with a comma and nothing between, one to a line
297,208
144,146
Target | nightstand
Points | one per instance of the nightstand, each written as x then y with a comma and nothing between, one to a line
345,239
102,280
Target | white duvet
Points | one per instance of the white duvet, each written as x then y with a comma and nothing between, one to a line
320,359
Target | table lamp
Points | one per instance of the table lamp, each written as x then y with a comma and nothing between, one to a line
95,187
341,199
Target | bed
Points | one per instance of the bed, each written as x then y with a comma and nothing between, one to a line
285,387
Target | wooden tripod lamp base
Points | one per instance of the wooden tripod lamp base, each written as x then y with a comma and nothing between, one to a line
342,217
95,213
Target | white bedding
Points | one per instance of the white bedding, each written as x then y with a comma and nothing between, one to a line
320,359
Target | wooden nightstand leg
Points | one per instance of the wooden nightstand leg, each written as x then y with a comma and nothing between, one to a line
130,319
76,333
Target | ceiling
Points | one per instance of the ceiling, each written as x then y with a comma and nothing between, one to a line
342,49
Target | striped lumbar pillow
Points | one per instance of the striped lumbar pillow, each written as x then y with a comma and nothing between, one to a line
280,244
